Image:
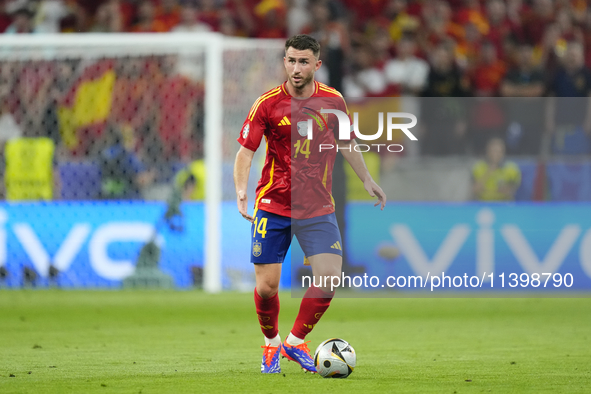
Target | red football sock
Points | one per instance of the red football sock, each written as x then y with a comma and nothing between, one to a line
313,306
268,314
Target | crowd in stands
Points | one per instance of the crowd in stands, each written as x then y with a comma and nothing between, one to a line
371,48
384,41
378,48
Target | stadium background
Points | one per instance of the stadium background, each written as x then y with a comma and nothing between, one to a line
115,133
100,122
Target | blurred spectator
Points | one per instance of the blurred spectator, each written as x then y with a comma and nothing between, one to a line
556,39
189,21
468,48
22,22
501,28
326,28
573,78
406,71
524,79
444,79
210,14
122,172
471,12
397,20
147,22
515,10
494,178
64,78
113,16
569,114
192,180
487,117
446,127
33,92
9,129
5,19
475,26
365,80
525,83
132,100
380,44
51,13
536,20
226,24
364,11
177,101
488,74
334,40
298,16
568,30
30,168
239,16
551,49
438,26
168,13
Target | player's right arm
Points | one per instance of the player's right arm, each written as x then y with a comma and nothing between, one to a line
250,138
241,172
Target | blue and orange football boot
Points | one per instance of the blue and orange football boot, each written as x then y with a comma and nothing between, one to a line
270,362
300,354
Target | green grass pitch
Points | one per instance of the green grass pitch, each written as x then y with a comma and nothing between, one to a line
188,342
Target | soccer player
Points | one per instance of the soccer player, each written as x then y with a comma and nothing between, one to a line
293,195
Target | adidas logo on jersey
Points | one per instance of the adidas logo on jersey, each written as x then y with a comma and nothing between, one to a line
336,245
284,122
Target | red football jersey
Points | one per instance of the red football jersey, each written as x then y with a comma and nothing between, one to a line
297,177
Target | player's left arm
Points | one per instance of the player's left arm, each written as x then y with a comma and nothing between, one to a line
355,159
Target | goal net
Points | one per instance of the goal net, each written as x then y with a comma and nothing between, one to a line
103,134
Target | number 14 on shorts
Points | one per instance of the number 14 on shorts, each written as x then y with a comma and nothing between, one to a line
259,227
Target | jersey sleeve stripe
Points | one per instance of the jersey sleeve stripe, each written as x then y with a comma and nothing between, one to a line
325,86
264,189
324,178
260,101
333,91
345,104
256,103
253,107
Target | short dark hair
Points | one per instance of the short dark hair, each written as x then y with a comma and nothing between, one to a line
302,42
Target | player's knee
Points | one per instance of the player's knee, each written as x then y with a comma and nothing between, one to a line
267,290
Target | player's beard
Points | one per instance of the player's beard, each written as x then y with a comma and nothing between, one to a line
303,82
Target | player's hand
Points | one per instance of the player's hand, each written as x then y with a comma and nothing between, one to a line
375,190
242,201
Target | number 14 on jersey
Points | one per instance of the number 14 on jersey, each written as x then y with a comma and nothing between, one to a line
302,147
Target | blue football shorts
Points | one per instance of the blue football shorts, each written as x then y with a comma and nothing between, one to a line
272,234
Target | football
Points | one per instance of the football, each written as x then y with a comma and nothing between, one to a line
335,358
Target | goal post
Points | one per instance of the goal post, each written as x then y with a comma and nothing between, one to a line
212,275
